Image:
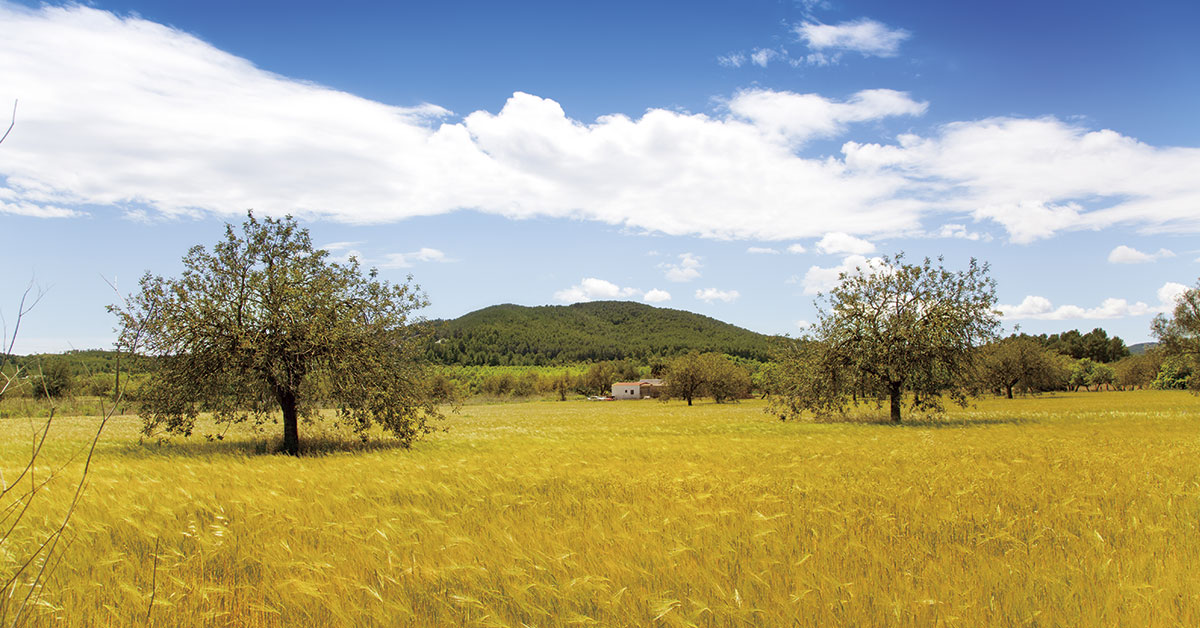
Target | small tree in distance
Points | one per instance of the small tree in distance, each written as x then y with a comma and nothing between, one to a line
889,329
264,322
1019,360
687,377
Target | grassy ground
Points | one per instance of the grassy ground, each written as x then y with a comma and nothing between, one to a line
1067,510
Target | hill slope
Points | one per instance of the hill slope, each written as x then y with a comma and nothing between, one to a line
600,330
1141,347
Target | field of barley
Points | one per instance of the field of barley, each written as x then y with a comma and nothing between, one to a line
1061,510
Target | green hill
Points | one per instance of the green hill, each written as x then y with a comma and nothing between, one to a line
1141,347
600,330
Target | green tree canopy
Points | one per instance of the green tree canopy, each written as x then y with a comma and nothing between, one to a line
264,321
1179,335
1020,361
892,328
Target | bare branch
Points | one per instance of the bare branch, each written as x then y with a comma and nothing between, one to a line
11,124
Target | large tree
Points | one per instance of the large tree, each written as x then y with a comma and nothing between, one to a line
1179,335
890,329
265,322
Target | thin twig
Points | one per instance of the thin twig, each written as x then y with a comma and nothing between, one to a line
11,124
153,582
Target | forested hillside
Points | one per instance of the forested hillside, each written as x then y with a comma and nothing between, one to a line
600,330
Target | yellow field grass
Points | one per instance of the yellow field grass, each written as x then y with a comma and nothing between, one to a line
1065,510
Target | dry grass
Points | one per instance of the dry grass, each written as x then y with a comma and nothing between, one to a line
1072,510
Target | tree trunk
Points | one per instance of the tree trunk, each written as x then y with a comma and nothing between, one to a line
689,400
1009,389
291,428
894,393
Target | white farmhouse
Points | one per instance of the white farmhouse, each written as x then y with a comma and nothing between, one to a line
644,389
627,390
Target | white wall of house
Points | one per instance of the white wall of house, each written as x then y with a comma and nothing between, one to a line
626,391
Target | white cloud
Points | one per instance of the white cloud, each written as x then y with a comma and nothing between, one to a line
657,296
151,121
841,243
1169,294
1041,176
339,246
687,269
865,36
819,279
803,324
33,210
959,231
760,250
1129,255
762,56
593,289
1041,308
796,118
796,248
712,294
406,260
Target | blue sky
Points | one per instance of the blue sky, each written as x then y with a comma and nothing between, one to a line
727,158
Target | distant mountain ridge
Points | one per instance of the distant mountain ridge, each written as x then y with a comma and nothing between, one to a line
1141,347
599,330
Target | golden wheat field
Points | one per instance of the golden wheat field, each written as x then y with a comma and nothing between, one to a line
1064,510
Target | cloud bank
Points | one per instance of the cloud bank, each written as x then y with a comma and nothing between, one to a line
1041,308
155,122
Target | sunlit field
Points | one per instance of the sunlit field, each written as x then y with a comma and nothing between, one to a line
1064,510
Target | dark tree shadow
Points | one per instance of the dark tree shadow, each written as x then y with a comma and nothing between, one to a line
201,447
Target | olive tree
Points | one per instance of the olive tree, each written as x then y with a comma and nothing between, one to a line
265,322
1019,360
1179,335
888,329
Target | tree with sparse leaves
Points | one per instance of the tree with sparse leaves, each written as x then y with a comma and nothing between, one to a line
892,329
264,322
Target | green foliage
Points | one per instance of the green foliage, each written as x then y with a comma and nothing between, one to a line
587,332
894,328
1095,345
695,375
1179,337
1174,374
1138,370
264,321
1020,362
1081,373
1102,375
54,379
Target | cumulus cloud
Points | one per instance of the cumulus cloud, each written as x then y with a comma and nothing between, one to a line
1129,255
762,250
1041,308
593,289
838,243
1169,294
712,294
687,269
143,118
656,296
796,248
821,279
864,36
